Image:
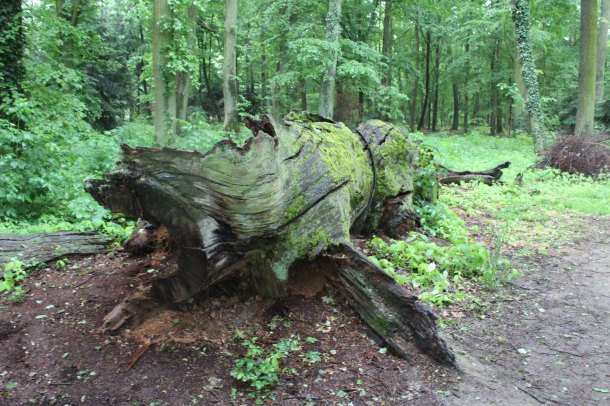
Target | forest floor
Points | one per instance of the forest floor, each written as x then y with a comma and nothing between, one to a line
540,339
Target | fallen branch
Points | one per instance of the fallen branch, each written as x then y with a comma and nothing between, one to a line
488,177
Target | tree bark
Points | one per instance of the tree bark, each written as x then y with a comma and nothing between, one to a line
456,107
602,48
465,125
42,248
490,176
525,59
585,109
164,91
413,112
293,192
333,29
386,45
437,77
229,81
425,109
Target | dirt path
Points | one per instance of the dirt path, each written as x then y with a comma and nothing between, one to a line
545,340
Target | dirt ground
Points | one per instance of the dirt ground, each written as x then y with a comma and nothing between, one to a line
542,339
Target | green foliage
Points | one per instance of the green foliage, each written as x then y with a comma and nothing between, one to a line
260,366
439,221
435,269
14,272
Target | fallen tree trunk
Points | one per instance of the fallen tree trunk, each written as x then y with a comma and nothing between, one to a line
489,177
42,248
293,191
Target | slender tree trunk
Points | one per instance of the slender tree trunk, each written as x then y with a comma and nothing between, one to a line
494,89
456,108
466,90
586,71
525,58
333,29
425,109
602,45
386,47
183,79
229,80
476,109
360,106
303,94
437,78
412,112
499,114
164,92
141,78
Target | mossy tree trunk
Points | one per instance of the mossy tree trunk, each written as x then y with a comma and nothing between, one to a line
294,191
585,110
525,59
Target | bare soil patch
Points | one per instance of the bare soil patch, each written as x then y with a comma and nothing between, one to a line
542,339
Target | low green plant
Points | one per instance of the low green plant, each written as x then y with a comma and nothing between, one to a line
14,272
260,366
436,269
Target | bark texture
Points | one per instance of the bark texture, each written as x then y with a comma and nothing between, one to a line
333,29
231,122
294,191
490,176
602,48
164,90
50,246
585,109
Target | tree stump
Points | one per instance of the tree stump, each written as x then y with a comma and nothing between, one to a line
295,190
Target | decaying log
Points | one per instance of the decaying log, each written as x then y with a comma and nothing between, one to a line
295,190
47,247
490,176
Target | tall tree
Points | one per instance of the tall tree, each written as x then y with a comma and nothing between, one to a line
183,77
413,107
333,29
386,43
425,108
164,88
229,87
602,47
585,109
525,61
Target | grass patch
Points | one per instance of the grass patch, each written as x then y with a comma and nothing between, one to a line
546,211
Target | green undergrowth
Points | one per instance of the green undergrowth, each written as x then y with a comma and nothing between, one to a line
546,210
437,266
261,366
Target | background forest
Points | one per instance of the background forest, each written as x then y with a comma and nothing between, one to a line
79,77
